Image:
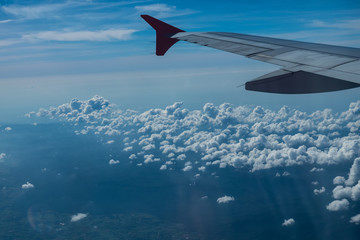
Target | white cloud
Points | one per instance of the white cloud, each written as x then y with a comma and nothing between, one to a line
338,180
78,217
353,24
338,205
161,10
155,8
224,135
2,156
9,42
340,192
127,149
6,21
202,169
314,169
288,222
285,174
181,157
225,199
187,168
97,36
8,129
110,142
113,162
319,191
27,185
32,12
355,219
354,174
348,189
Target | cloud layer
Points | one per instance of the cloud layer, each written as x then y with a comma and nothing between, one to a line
255,138
194,141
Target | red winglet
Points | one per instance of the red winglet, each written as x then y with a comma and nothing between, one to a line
164,32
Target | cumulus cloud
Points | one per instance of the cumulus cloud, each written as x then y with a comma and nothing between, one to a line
355,219
285,174
8,129
78,217
27,185
348,189
319,191
314,169
225,199
338,205
224,135
338,180
2,156
202,169
113,162
288,222
187,168
227,136
354,174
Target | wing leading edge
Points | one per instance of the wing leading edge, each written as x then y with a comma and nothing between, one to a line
306,67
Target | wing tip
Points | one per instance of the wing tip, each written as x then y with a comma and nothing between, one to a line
164,32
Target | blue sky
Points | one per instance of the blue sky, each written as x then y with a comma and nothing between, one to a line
53,51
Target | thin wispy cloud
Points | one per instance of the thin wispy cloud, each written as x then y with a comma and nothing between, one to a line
9,42
102,35
32,12
342,24
162,10
155,8
6,21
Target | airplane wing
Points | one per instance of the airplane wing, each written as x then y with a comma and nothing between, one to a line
306,67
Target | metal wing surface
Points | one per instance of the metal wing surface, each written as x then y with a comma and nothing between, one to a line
306,67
